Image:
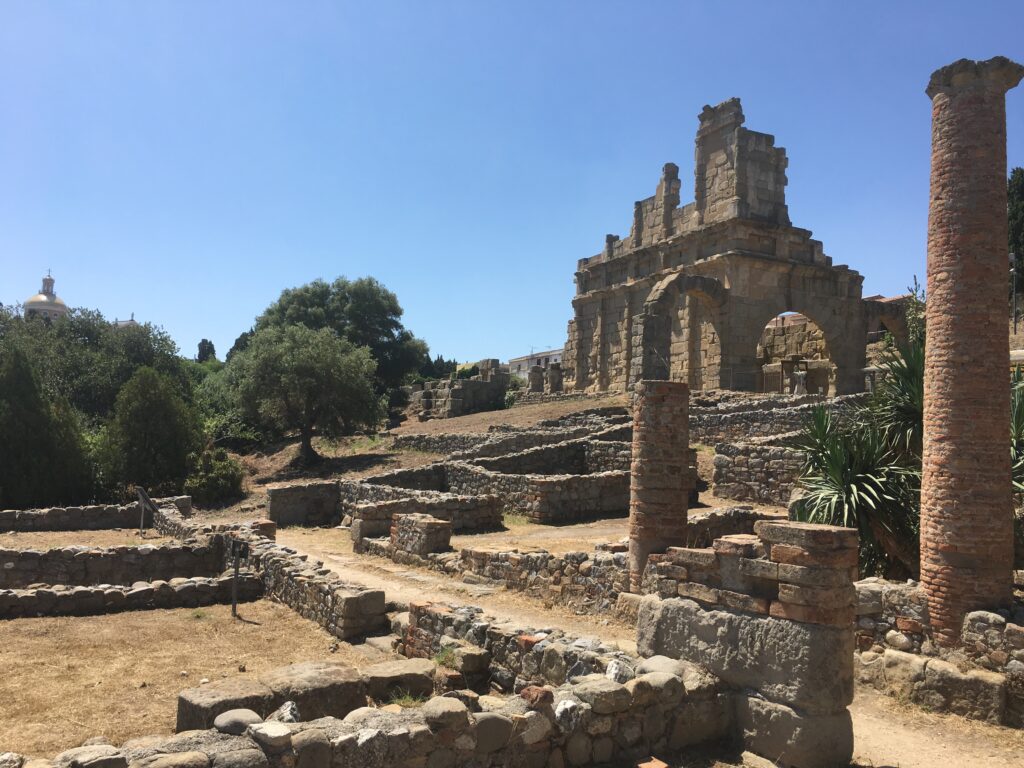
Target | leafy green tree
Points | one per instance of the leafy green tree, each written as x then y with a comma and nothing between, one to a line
150,438
361,311
1015,214
206,351
42,453
84,358
296,378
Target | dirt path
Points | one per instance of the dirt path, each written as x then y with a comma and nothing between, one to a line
887,734
333,547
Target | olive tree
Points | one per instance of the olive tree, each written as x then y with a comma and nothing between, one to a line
294,378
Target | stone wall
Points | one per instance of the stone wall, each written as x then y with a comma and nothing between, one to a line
85,566
449,398
982,678
588,582
420,535
443,443
344,609
549,499
372,507
686,294
182,592
315,504
88,518
756,471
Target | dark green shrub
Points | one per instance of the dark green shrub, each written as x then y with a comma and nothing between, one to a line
215,480
151,438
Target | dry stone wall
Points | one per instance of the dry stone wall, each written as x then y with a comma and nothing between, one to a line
756,471
86,566
88,518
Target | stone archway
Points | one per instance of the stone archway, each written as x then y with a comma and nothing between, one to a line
793,346
703,302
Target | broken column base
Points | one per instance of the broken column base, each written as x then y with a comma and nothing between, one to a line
793,740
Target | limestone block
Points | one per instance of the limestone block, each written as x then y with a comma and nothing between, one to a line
412,676
808,666
794,740
199,707
976,694
319,688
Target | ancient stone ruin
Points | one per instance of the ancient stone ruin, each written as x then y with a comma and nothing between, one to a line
688,294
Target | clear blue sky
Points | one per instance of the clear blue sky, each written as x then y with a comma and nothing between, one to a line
185,161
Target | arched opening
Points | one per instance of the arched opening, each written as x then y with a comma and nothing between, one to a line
793,356
696,344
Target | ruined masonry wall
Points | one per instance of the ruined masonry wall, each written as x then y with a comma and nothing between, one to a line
89,518
758,472
83,566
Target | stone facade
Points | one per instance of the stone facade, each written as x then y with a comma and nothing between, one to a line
660,477
687,295
966,506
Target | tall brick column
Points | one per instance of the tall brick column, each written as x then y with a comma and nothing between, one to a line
659,484
966,506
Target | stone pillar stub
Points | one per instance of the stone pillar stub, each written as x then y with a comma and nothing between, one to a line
535,381
966,504
659,484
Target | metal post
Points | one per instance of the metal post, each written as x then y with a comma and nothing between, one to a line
234,590
1013,283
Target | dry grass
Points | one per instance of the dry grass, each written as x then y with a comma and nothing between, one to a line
51,539
71,678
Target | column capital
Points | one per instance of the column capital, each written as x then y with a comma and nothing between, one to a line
998,73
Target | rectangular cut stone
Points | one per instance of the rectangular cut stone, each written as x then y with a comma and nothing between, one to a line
807,535
698,592
826,597
806,666
742,544
759,569
738,601
792,738
814,577
832,617
694,558
791,554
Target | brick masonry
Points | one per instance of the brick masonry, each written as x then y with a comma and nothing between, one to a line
660,480
966,507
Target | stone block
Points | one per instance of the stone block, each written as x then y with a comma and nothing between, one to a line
412,676
976,694
792,739
319,688
808,666
199,707
807,535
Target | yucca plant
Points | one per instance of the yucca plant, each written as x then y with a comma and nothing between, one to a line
854,478
896,409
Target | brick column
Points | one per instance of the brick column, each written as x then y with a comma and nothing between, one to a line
966,505
659,483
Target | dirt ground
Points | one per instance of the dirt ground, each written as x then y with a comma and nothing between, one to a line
522,416
68,679
118,537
